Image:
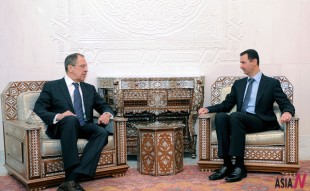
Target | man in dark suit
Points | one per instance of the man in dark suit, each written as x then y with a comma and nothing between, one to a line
254,97
66,106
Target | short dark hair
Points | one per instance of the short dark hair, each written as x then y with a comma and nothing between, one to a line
252,54
71,60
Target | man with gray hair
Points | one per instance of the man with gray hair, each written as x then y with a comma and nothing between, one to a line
66,106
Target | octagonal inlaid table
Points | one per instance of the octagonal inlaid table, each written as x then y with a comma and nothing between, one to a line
160,148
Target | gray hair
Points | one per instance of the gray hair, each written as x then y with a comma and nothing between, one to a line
71,60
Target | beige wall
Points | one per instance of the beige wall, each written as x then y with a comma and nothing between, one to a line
159,38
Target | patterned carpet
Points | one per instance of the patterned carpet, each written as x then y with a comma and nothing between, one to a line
189,179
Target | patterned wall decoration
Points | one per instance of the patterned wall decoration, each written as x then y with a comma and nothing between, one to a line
135,32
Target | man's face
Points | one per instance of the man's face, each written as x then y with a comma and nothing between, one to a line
78,72
248,66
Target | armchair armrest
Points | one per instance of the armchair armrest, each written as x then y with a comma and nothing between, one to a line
292,134
23,147
120,139
205,126
22,125
208,115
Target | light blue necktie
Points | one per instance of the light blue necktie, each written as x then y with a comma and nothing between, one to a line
78,109
247,95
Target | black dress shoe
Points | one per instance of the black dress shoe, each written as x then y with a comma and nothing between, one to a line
237,175
79,187
70,186
221,173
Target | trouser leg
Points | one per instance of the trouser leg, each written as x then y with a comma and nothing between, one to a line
97,138
69,130
241,124
223,134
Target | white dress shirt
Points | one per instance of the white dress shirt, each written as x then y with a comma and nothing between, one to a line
71,89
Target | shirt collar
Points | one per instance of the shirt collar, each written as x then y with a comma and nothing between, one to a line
258,76
69,81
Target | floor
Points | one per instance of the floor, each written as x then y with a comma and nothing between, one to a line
2,169
187,160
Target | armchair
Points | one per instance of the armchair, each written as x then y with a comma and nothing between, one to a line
35,159
270,151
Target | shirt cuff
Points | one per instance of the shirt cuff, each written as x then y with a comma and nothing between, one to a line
55,119
110,114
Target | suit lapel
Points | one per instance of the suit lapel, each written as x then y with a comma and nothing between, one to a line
261,87
65,92
242,92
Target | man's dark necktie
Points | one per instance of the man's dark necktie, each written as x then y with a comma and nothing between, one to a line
247,95
78,109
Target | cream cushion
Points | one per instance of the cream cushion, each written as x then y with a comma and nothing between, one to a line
25,105
50,147
274,137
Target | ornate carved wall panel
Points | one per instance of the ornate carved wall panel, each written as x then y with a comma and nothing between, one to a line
125,32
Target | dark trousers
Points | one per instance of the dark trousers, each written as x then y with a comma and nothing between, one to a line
231,130
69,130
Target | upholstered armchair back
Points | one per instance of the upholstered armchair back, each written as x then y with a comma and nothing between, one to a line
25,105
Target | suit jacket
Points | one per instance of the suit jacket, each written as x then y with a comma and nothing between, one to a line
269,91
55,99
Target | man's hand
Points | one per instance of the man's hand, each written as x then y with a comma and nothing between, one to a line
64,114
202,111
286,117
104,118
